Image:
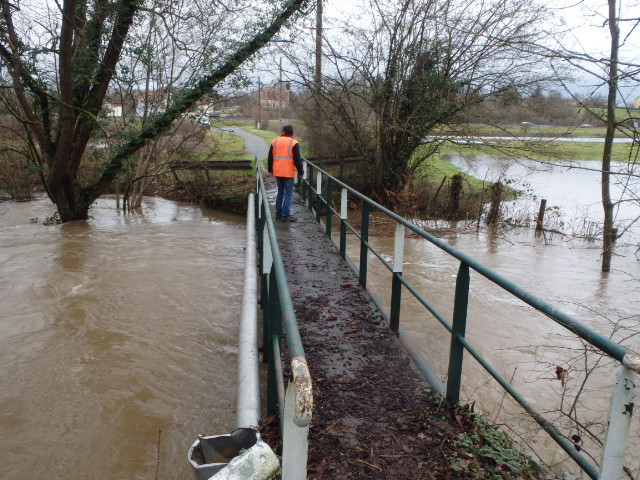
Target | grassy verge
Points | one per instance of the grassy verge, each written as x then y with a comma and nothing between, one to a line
542,150
227,146
266,134
482,130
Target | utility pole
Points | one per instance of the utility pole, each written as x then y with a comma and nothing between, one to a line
318,72
259,104
280,95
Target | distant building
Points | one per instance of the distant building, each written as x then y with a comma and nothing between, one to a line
133,104
636,103
113,109
275,97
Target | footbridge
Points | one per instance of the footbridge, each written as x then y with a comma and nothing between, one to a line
344,378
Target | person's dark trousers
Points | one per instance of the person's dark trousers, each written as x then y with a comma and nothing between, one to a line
284,197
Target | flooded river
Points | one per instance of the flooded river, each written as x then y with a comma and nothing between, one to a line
118,339
571,188
118,335
524,346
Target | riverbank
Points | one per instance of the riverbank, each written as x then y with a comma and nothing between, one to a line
228,191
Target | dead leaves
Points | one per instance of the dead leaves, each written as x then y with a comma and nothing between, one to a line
562,373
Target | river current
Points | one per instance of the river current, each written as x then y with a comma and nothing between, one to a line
118,335
118,339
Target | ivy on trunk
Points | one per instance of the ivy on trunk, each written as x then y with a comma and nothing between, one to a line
61,118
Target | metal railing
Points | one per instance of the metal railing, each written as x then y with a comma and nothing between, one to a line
292,403
321,202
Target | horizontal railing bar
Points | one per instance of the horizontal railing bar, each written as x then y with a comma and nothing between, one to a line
379,255
594,338
293,334
248,401
537,416
426,304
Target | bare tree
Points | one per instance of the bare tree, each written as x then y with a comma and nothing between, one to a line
611,71
62,59
407,68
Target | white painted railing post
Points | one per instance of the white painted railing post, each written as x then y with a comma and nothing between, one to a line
305,189
267,255
396,284
343,223
314,208
295,443
319,183
343,204
620,413
398,248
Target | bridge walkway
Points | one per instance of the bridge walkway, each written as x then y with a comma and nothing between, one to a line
374,415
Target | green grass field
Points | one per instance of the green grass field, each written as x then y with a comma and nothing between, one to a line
481,130
548,150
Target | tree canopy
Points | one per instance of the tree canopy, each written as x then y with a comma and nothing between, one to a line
62,59
394,79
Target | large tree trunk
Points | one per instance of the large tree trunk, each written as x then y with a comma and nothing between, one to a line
608,235
84,78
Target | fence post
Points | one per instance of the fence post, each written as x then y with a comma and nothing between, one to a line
274,329
329,207
540,221
459,327
364,239
396,284
343,223
620,413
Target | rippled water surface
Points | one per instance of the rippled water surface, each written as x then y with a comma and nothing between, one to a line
118,339
523,345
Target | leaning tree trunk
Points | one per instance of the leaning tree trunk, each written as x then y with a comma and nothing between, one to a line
608,233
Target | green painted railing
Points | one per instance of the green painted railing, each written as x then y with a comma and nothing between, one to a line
278,313
321,201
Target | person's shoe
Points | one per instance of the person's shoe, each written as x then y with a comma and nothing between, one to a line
289,219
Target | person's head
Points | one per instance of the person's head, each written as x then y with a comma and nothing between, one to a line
287,130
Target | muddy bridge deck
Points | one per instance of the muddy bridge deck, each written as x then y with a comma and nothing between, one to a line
374,415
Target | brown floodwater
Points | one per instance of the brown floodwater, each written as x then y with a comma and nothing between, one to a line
118,336
118,339
523,345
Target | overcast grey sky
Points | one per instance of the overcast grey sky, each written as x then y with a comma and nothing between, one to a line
584,21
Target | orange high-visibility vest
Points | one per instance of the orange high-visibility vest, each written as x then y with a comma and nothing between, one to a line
282,150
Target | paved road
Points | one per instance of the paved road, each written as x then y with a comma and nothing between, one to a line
253,144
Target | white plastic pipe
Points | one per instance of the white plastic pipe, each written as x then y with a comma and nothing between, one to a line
248,403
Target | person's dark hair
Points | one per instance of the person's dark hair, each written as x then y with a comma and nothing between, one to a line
287,130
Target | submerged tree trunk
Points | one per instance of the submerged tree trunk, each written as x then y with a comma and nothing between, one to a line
608,235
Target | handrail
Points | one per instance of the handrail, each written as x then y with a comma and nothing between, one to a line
299,368
278,312
248,401
624,391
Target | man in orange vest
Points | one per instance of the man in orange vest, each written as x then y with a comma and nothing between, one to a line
284,160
